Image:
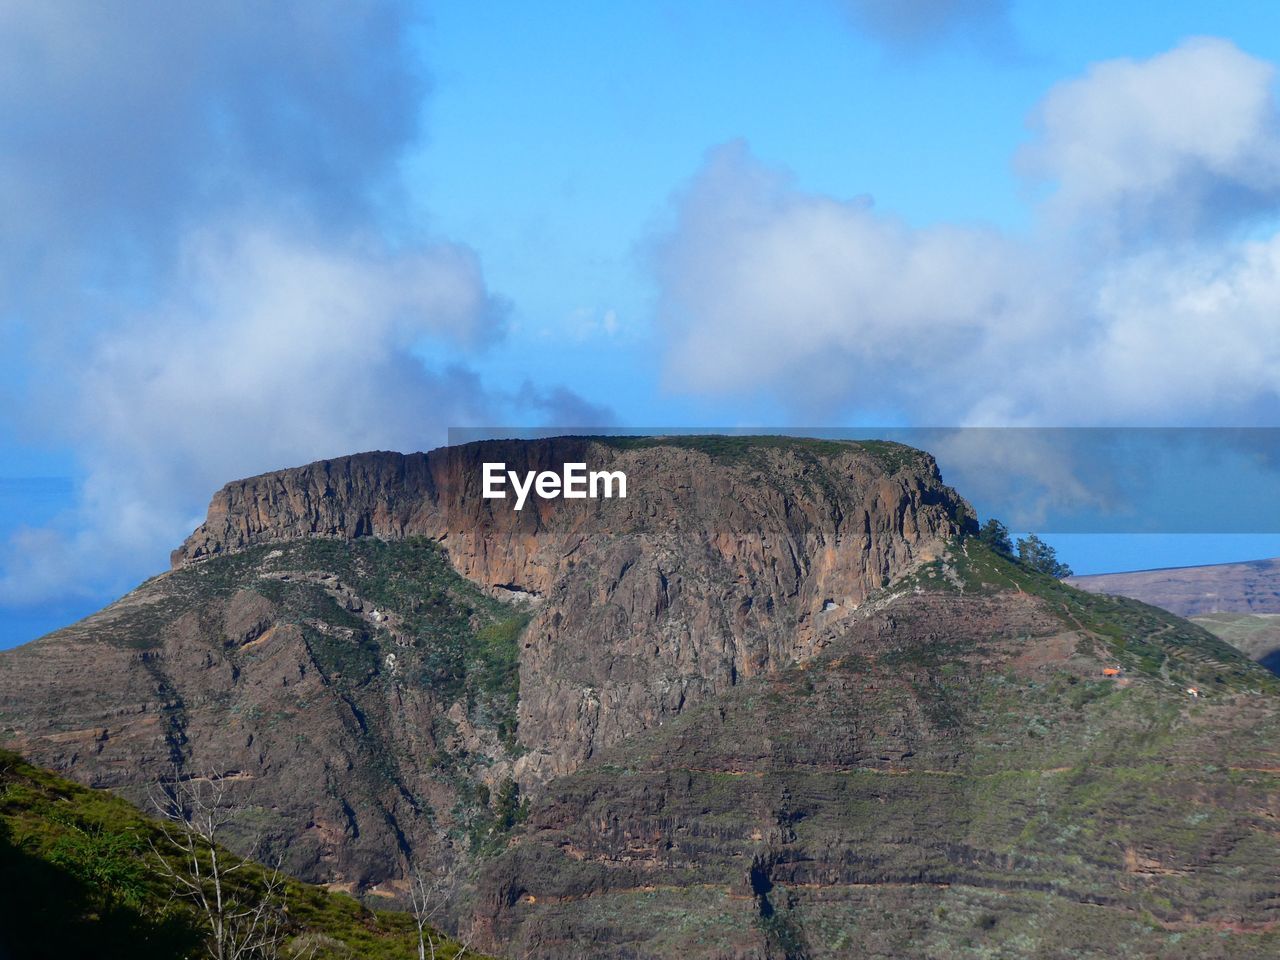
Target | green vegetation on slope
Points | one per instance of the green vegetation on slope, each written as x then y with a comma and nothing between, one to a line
1257,635
393,643
79,879
959,785
730,448
1142,639
463,643
460,641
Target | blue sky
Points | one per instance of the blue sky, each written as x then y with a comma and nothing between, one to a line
555,143
240,239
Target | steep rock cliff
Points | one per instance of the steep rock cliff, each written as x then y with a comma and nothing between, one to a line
728,557
330,636
953,776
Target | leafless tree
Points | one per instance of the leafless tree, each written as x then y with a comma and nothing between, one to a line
245,918
429,896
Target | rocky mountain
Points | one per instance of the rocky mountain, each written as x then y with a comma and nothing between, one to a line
1239,602
774,703
954,776
377,651
717,565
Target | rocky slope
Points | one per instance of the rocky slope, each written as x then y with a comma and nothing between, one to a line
1239,602
1256,635
330,635
355,695
953,776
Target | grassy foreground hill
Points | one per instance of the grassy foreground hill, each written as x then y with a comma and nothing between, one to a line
78,878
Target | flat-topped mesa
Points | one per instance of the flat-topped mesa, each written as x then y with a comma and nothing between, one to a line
380,494
390,496
887,499
728,556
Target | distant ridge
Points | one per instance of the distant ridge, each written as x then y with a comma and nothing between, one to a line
1239,602
1251,586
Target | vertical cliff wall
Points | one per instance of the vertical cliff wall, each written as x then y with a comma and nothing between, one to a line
728,557
368,689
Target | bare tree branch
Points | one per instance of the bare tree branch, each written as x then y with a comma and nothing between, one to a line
244,920
429,896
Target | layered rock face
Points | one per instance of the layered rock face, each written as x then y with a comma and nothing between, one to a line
727,557
366,703
952,776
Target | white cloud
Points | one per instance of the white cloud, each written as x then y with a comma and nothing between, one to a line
1192,331
1173,144
827,301
836,308
266,350
271,350
213,265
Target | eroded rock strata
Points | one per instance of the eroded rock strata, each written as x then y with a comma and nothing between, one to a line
285,650
772,704
714,567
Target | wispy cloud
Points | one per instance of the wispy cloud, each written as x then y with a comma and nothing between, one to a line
911,25
213,264
1141,296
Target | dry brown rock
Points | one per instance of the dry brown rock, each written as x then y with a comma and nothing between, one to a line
721,564
714,568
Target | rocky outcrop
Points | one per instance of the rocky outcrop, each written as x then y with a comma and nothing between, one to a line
719,564
324,675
